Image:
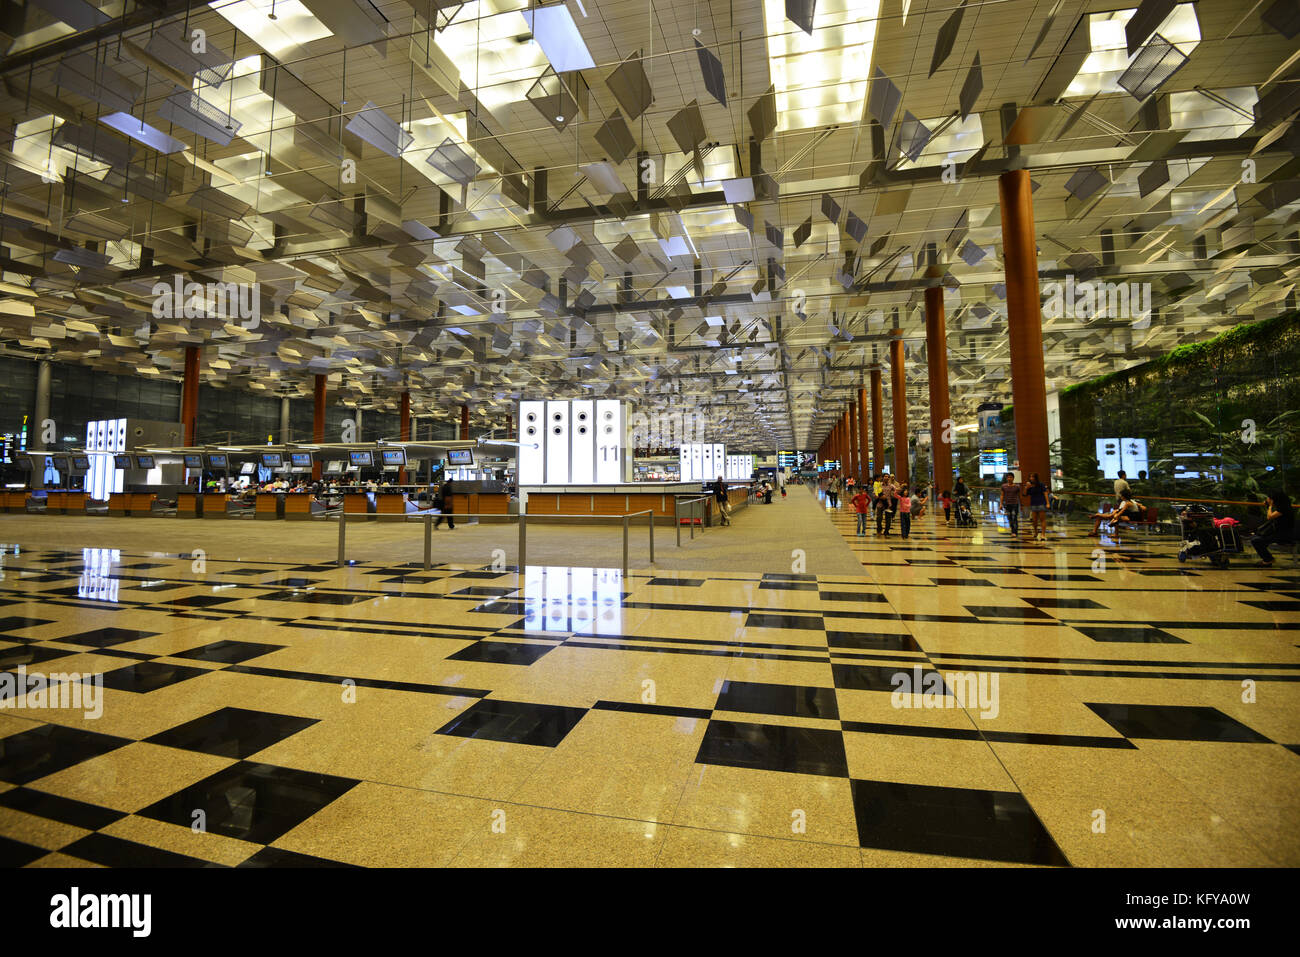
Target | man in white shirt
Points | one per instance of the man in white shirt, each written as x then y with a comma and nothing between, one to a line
1121,485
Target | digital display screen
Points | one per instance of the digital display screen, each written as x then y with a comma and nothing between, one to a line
24,463
359,459
993,462
248,468
272,460
460,457
218,461
144,461
194,461
123,462
393,456
300,459
60,462
81,462
333,468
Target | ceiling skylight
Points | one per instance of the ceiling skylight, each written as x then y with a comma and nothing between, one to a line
1109,58
292,27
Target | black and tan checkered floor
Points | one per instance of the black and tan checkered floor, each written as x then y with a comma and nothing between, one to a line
1083,702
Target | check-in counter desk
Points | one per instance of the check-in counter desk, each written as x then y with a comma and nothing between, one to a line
189,505
270,505
613,501
14,500
130,503
65,503
215,504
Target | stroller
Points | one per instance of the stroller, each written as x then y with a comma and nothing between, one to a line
965,517
1204,537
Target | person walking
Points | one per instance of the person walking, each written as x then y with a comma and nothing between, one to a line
945,499
833,490
885,505
720,496
1036,492
444,504
1278,527
1010,500
861,505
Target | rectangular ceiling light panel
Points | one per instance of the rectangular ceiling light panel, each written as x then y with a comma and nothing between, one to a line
556,33
293,26
820,78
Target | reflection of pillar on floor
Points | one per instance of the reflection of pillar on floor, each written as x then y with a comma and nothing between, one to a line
853,442
1024,322
318,419
936,350
878,421
898,394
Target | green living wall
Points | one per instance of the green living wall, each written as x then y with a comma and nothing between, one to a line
1232,400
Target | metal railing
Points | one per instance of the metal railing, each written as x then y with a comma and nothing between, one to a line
429,517
677,503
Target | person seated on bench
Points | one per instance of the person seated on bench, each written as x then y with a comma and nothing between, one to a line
1278,527
1127,509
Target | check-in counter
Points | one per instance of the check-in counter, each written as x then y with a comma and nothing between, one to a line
270,505
390,503
481,503
64,503
214,504
130,503
357,503
610,502
297,506
189,505
14,500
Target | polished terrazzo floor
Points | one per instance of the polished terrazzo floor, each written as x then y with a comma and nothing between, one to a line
1136,712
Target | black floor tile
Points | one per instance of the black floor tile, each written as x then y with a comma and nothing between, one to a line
15,622
760,619
92,817
115,852
968,582
954,822
503,607
199,601
148,676
501,652
314,597
770,747
1009,611
17,854
278,857
486,591
482,576
1168,722
1139,634
30,655
162,586
253,802
1274,605
677,582
229,652
793,700
107,637
518,722
33,754
1064,603
787,577
1067,578
291,582
232,732
868,640
789,585
885,678
868,597
247,571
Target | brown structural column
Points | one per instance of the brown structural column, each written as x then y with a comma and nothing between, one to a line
864,464
190,396
1024,322
853,441
404,430
898,394
464,422
318,419
877,420
936,350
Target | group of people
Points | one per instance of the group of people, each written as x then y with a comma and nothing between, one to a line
883,497
1031,492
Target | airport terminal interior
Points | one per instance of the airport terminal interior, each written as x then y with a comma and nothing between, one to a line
614,433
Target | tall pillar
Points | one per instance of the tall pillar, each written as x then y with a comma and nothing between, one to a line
510,425
936,350
356,417
898,395
877,419
190,397
36,432
318,419
1024,322
853,441
864,465
284,418
464,422
404,430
